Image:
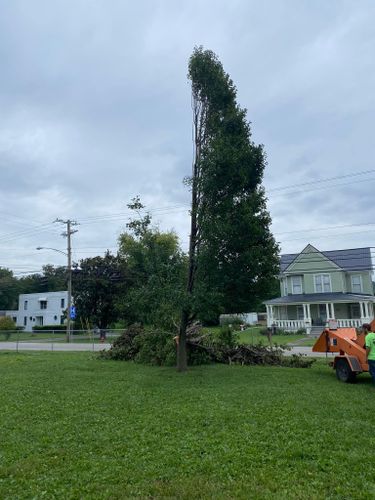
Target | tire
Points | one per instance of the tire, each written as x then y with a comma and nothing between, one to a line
343,371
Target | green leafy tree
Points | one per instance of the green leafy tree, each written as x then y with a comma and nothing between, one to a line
156,268
7,325
232,253
97,283
9,290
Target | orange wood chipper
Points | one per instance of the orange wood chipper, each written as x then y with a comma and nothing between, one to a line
350,346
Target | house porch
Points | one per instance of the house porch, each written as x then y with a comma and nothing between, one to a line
307,315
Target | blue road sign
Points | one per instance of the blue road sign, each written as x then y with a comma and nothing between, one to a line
72,312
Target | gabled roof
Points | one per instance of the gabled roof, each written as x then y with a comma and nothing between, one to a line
353,259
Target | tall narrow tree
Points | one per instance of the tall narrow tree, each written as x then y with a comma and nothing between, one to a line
232,253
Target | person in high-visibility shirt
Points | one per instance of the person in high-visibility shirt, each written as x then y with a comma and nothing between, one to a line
370,352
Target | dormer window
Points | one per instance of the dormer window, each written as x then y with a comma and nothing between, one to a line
356,283
296,285
322,283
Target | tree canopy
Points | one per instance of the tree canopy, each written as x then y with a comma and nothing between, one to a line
232,253
156,269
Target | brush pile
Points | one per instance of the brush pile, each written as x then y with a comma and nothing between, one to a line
158,347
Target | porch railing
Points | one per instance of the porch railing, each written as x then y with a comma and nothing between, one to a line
296,324
290,324
347,323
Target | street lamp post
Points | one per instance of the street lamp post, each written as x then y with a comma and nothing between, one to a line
69,255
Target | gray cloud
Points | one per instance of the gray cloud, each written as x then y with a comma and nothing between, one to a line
96,109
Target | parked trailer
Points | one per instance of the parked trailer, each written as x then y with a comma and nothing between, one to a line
350,346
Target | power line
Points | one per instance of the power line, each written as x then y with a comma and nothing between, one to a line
327,179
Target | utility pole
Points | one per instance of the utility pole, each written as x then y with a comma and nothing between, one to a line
67,234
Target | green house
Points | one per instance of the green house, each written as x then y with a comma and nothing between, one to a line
317,287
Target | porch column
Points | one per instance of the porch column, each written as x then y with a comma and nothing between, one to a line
362,309
272,315
268,315
308,311
327,311
371,309
368,309
306,317
333,311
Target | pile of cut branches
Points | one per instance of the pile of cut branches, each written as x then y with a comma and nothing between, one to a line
244,354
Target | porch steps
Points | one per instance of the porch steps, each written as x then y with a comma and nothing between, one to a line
316,331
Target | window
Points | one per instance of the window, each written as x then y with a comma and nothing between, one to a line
14,319
356,283
322,283
285,281
62,320
25,305
43,304
62,304
296,284
25,321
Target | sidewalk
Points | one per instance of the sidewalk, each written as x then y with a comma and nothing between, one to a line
64,347
307,351
51,346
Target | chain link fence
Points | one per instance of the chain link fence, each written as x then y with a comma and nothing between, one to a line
58,340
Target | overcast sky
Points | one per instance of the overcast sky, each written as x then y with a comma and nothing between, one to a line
95,109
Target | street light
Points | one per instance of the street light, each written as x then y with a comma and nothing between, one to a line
54,249
69,255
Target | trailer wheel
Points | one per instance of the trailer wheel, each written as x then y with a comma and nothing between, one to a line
343,371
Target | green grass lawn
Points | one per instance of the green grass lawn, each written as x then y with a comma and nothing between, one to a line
76,427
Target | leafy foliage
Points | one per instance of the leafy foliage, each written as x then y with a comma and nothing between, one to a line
8,290
148,346
7,325
97,284
236,254
156,269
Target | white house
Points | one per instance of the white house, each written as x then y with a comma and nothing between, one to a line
38,309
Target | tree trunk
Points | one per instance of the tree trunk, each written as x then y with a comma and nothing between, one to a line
198,123
181,349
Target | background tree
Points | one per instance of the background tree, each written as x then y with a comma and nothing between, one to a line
232,253
9,290
51,279
156,269
97,283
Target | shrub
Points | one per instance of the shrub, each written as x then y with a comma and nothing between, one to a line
124,347
281,331
155,347
233,321
298,361
49,328
226,337
7,326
